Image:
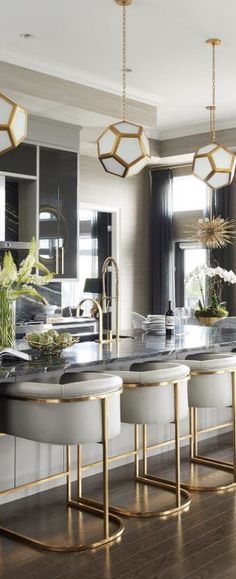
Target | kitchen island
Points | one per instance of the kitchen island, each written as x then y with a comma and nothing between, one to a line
24,460
132,346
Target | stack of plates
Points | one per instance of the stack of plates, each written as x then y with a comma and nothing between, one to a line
155,324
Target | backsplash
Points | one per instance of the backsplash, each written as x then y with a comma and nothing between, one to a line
27,307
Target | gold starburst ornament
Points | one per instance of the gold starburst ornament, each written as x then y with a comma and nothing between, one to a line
213,232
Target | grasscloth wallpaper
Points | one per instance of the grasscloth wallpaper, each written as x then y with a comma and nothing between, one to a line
131,197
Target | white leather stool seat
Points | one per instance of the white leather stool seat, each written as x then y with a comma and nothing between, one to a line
153,404
210,390
65,422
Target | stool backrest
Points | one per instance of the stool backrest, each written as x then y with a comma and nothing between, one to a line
149,395
211,380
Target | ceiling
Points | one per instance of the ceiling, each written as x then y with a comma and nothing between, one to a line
79,40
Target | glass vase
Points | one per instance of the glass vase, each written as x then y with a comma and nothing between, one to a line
7,320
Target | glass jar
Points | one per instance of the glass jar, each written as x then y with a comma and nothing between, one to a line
7,320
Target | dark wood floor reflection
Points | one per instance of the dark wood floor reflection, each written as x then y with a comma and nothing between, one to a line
197,544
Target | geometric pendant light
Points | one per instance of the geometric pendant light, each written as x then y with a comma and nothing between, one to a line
13,124
214,163
123,148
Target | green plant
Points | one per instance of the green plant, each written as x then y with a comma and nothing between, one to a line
23,281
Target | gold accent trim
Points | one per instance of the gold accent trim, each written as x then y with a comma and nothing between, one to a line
63,400
214,41
100,317
124,2
206,461
127,385
81,504
110,260
144,478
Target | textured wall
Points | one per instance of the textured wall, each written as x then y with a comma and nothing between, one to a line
131,197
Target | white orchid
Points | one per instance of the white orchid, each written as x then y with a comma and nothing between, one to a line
217,276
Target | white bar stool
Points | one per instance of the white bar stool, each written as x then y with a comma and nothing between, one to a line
153,397
88,411
212,385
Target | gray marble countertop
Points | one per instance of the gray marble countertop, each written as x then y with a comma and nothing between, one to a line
134,347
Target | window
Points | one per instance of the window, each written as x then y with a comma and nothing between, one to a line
189,194
192,258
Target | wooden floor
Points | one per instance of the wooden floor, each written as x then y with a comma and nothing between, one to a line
198,544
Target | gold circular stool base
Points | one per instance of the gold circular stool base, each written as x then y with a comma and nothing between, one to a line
153,481
71,548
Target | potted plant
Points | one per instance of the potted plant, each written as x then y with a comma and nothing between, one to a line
211,308
15,283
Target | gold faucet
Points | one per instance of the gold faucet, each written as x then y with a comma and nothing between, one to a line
100,315
105,299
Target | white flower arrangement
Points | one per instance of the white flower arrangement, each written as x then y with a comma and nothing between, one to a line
217,276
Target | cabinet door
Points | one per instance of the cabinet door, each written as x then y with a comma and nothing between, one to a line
58,211
21,160
67,212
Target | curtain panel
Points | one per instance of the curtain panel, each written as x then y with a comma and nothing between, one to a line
221,205
161,245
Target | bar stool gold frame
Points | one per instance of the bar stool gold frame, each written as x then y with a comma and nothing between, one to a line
145,478
206,461
102,510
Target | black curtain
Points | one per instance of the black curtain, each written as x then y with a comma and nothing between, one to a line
221,205
161,252
179,279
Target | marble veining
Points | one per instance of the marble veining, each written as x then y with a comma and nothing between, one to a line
27,308
140,346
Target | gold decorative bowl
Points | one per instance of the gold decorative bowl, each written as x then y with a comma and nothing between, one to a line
52,348
208,321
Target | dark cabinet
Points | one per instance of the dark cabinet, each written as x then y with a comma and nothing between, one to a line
21,160
58,211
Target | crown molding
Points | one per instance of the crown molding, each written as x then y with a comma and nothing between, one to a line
59,92
37,63
200,128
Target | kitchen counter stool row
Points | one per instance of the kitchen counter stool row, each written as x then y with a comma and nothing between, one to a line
90,406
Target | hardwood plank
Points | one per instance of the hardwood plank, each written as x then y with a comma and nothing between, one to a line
197,544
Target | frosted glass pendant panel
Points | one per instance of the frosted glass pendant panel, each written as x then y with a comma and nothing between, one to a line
5,111
222,158
124,127
208,148
19,125
113,166
219,180
136,168
106,142
129,149
5,141
202,167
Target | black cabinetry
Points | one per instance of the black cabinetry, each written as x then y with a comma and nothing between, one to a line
21,161
58,211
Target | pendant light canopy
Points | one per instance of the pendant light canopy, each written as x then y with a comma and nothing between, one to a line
13,124
123,148
214,163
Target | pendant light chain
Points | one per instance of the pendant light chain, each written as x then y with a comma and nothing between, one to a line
213,114
124,107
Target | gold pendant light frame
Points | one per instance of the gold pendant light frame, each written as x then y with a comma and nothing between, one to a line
123,147
9,126
214,163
